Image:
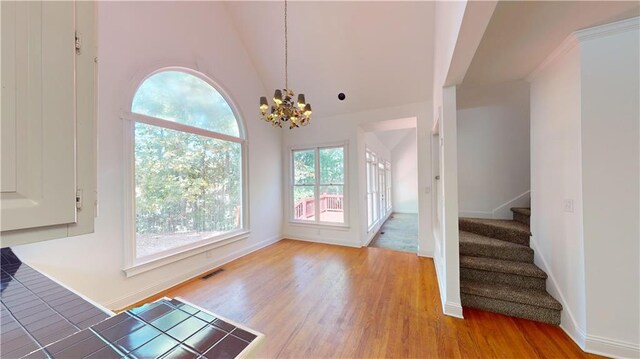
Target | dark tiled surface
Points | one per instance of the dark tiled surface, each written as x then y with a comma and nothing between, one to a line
228,347
37,313
187,332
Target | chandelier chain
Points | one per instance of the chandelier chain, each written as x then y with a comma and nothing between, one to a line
285,108
286,45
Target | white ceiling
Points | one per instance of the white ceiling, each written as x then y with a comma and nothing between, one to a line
521,34
378,53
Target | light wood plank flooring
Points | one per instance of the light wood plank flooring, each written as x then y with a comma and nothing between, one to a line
322,301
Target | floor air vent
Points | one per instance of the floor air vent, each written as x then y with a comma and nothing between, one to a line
217,271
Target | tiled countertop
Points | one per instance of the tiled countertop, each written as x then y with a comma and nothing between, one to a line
41,319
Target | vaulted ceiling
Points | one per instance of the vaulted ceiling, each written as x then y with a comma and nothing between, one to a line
378,53
521,34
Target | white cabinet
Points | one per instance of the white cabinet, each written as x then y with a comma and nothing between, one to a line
48,120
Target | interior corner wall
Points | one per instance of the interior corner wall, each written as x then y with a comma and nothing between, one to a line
136,38
493,149
404,175
585,178
556,178
373,143
448,21
610,185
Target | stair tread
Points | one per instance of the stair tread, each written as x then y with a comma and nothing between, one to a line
500,223
522,210
469,237
533,297
503,266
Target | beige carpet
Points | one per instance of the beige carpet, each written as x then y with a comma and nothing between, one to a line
399,232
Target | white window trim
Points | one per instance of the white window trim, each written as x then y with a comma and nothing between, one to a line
373,160
134,266
345,191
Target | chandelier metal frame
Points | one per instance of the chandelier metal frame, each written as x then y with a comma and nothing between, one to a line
284,109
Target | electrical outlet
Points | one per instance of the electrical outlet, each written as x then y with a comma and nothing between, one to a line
567,205
427,189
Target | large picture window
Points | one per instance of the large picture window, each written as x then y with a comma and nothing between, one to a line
318,184
188,165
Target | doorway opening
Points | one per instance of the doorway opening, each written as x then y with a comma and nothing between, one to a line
391,181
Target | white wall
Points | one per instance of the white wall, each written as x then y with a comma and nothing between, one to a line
353,128
136,38
493,149
610,167
404,174
555,177
585,148
448,20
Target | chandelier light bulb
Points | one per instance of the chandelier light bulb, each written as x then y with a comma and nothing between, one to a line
264,106
277,97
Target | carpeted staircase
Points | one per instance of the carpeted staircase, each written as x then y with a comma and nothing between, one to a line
497,273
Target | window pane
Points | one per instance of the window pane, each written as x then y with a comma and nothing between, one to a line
332,204
304,206
331,165
181,97
188,188
304,164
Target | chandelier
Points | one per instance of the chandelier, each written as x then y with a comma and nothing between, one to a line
284,109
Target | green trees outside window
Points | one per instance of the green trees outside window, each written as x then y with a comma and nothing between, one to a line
188,179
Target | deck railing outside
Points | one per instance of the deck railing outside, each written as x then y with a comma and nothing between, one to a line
305,208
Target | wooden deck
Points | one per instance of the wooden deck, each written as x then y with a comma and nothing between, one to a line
322,301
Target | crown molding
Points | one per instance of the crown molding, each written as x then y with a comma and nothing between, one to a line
564,48
580,36
608,29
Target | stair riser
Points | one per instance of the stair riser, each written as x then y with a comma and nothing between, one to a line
495,232
504,278
479,250
518,310
521,218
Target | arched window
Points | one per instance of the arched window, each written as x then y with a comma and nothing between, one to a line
188,165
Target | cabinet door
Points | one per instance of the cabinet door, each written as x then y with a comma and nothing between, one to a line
38,114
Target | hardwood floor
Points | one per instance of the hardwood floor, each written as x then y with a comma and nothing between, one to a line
321,301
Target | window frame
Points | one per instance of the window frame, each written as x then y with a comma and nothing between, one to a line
387,169
317,184
134,265
375,169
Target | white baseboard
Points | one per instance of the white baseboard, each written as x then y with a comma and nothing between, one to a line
453,310
426,254
322,240
369,241
568,321
376,228
588,343
153,289
503,211
611,348
448,308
